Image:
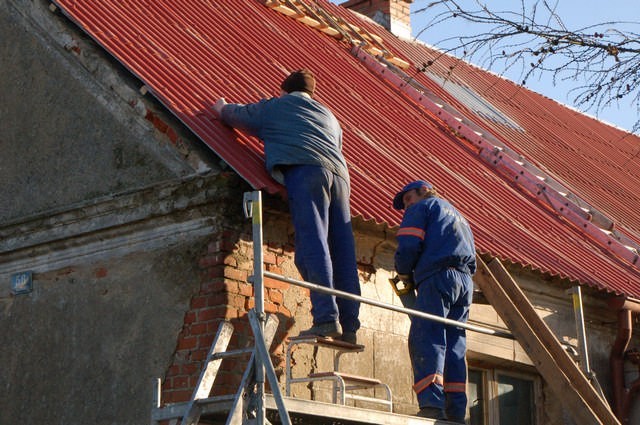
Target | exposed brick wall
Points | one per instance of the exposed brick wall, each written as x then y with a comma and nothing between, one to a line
391,10
400,11
225,294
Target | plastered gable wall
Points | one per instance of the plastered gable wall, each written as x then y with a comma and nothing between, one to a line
74,126
106,310
109,204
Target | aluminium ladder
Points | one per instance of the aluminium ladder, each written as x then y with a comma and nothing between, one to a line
253,382
248,400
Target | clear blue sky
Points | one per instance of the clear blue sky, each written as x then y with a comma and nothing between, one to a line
575,14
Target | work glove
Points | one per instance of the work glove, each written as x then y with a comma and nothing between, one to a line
407,283
407,279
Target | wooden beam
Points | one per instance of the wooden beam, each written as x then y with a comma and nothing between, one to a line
562,375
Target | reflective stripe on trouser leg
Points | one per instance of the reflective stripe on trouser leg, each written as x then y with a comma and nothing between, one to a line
455,387
435,347
427,347
455,375
422,384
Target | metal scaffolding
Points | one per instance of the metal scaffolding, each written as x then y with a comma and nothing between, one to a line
253,209
249,403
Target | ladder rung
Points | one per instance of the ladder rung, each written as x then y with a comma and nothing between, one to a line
231,353
323,341
361,380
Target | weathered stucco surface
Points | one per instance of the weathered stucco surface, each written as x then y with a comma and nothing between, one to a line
106,309
67,135
86,343
109,216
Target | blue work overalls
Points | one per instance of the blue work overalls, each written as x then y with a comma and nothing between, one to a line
325,247
438,351
436,246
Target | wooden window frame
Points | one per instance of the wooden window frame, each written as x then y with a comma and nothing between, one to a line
491,414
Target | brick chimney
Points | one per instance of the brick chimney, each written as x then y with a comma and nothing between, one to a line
391,14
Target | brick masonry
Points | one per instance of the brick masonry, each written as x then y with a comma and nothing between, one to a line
384,11
226,294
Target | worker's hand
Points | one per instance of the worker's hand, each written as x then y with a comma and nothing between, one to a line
402,284
217,107
407,279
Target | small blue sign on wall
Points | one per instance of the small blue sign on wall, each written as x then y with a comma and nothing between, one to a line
21,283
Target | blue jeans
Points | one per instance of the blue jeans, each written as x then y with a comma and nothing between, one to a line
438,351
325,247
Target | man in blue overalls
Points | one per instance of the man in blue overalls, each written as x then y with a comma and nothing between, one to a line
436,253
303,150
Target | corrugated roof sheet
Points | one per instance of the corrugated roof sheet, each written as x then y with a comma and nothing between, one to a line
190,53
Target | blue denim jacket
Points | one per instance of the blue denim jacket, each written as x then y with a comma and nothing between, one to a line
295,129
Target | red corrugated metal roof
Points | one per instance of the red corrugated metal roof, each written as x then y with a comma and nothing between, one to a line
190,53
598,161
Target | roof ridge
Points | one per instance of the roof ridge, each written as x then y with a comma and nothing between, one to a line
335,26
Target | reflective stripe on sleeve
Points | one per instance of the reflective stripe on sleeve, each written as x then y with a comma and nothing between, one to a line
411,231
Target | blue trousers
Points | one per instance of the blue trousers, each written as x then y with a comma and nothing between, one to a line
325,246
438,351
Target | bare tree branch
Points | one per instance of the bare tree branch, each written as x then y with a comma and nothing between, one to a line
602,59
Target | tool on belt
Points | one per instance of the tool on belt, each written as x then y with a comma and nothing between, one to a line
404,287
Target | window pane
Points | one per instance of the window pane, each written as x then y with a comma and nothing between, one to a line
475,392
515,400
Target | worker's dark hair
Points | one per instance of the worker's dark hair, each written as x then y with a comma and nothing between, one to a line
300,80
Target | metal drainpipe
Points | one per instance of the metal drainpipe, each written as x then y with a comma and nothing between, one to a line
629,397
626,307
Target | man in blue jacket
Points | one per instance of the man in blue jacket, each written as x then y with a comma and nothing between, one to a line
303,150
436,254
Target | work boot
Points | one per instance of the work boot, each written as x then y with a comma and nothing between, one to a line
431,413
349,337
330,329
455,416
